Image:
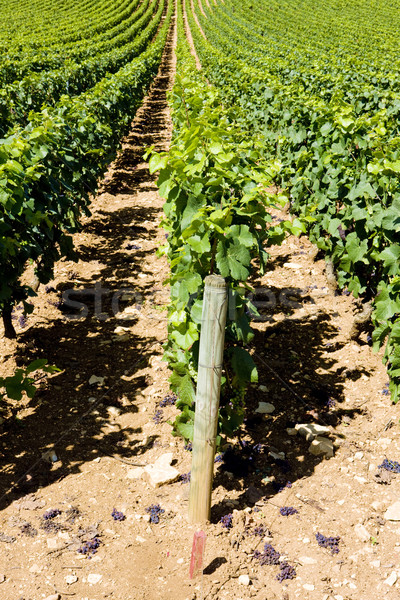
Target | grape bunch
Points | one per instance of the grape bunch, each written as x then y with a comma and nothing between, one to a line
260,530
158,416
219,458
51,514
185,477
286,572
390,465
117,515
226,521
332,543
169,400
90,547
288,510
155,511
188,446
269,556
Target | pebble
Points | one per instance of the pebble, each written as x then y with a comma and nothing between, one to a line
360,479
307,560
311,430
70,579
291,265
263,388
96,380
161,472
113,411
140,539
244,579
53,597
306,540
359,455
321,445
265,408
362,533
94,578
391,580
2,578
309,587
52,543
180,561
375,563
393,512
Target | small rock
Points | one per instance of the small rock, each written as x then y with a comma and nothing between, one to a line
2,578
291,265
306,540
360,479
263,388
375,563
52,543
53,597
359,455
321,445
362,533
94,578
244,579
135,473
393,512
307,560
277,455
391,580
180,561
94,380
50,456
311,430
70,579
30,502
338,597
291,431
161,472
113,411
35,569
309,587
140,539
265,408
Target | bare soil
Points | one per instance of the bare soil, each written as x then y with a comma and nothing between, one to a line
102,433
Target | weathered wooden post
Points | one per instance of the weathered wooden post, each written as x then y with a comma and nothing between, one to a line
207,397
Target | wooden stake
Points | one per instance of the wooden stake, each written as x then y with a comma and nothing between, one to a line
207,397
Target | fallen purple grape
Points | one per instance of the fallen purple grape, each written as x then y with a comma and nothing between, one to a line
287,572
288,510
226,521
390,465
51,514
331,543
269,556
185,477
90,547
155,511
169,400
117,515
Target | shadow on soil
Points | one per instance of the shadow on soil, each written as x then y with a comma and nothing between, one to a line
304,384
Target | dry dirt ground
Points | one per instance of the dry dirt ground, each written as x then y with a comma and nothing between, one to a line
79,446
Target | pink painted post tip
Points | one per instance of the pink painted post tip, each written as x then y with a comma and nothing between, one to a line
196,560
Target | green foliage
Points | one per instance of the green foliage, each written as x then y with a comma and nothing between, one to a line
22,381
50,167
328,110
214,181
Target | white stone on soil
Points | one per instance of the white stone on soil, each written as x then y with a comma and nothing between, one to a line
265,408
391,580
311,430
94,578
161,472
393,512
244,579
362,533
321,446
70,579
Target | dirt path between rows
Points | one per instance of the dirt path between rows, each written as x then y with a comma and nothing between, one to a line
88,442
